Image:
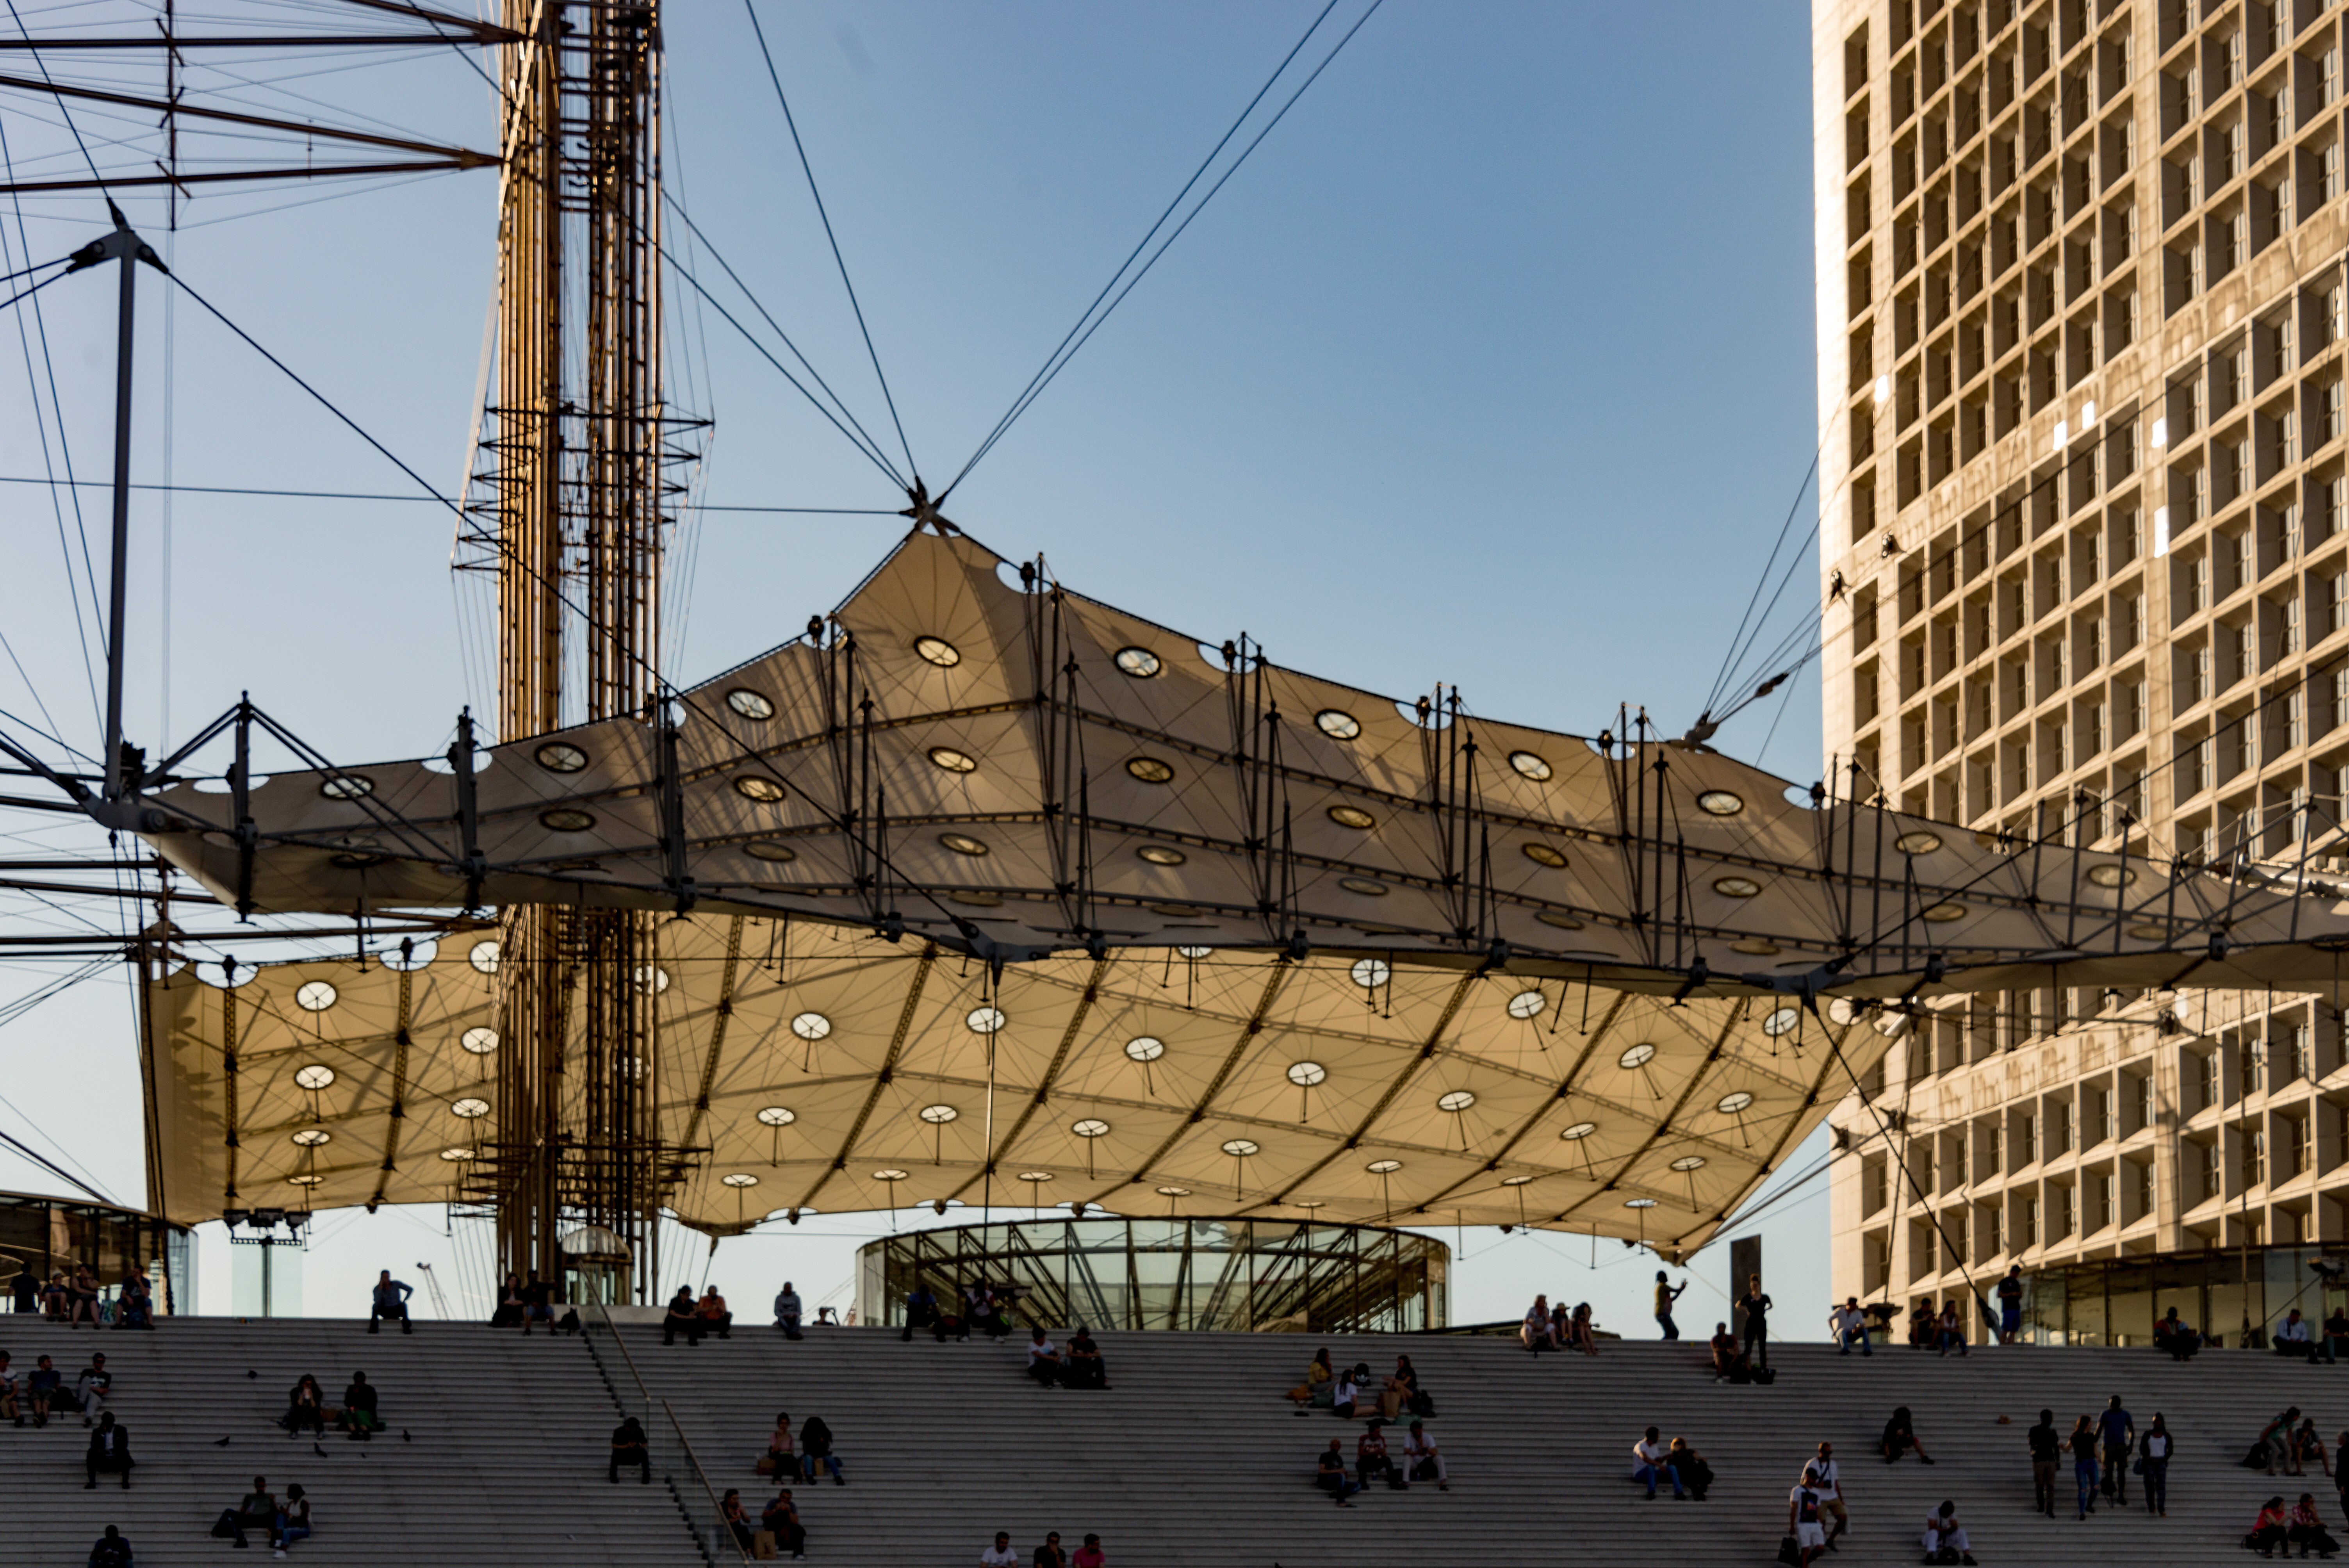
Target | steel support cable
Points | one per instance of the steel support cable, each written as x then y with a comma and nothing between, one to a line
872,454
911,466
661,684
65,446
414,499
1749,625
736,278
1046,369
62,109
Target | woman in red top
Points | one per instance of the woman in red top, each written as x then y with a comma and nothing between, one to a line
1090,1555
2268,1531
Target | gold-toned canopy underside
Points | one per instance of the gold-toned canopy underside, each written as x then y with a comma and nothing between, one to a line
1026,772
1267,1085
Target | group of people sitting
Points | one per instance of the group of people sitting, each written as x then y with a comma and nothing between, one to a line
79,1298
306,1410
1050,1555
1547,1327
1080,1367
779,1522
523,1303
977,1306
2297,1337
1349,1391
282,1523
808,1455
1653,1460
695,1318
1943,1332
2299,1525
45,1391
1375,1460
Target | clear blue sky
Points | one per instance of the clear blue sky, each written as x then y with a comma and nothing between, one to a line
1491,367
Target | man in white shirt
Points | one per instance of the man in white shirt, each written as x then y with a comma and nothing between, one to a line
1043,1359
1000,1554
1422,1458
1648,1464
1803,1523
1944,1536
1850,1324
1823,1476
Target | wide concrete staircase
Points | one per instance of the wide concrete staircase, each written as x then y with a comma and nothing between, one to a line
503,1461
1194,1457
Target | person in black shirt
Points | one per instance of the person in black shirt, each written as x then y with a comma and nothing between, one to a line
2336,1336
361,1418
2009,1305
537,1304
1900,1436
112,1550
1332,1478
109,1449
25,1288
921,1311
682,1318
1084,1369
628,1447
815,1452
2046,1453
782,1517
1756,1308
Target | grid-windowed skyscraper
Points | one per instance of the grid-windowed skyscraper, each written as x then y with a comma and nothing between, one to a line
2085,560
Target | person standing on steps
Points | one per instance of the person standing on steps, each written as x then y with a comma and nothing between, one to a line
2083,1444
1000,1554
2046,1453
1756,1308
2119,1434
1665,1295
630,1447
109,1449
2336,1336
2153,1453
390,1301
2009,1305
1826,1480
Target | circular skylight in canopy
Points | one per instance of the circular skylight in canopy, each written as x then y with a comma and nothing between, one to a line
1337,724
749,703
938,651
1139,663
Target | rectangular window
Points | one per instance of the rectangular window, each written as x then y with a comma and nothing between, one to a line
2207,1080
2303,1053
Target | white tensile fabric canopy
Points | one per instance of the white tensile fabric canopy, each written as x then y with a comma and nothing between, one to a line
804,1066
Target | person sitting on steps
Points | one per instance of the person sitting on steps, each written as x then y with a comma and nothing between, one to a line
1370,1458
2271,1530
2307,1529
1344,1395
1085,1368
11,1387
306,1407
782,1451
292,1519
2176,1336
1945,1538
815,1450
1423,1460
360,1417
95,1386
714,1318
1331,1476
43,1386
1650,1464
1043,1359
630,1447
258,1511
1729,1364
1537,1334
112,1550
509,1311
1900,1436
389,1300
1695,1474
787,1313
109,1451
782,1517
682,1318
1320,1380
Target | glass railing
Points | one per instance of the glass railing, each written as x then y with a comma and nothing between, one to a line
674,1462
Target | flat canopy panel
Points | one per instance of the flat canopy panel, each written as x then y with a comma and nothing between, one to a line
1021,771
853,1073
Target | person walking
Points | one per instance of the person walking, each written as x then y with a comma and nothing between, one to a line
389,1300
2046,1453
2119,1434
1665,1295
1756,1308
2153,1453
1826,1480
2083,1444
1802,1526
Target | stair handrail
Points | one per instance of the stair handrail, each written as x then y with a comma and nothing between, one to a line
717,1538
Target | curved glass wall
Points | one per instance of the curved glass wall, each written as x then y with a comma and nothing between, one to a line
53,1235
1234,1274
2231,1295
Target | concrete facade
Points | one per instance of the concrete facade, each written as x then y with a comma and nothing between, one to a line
2085,559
